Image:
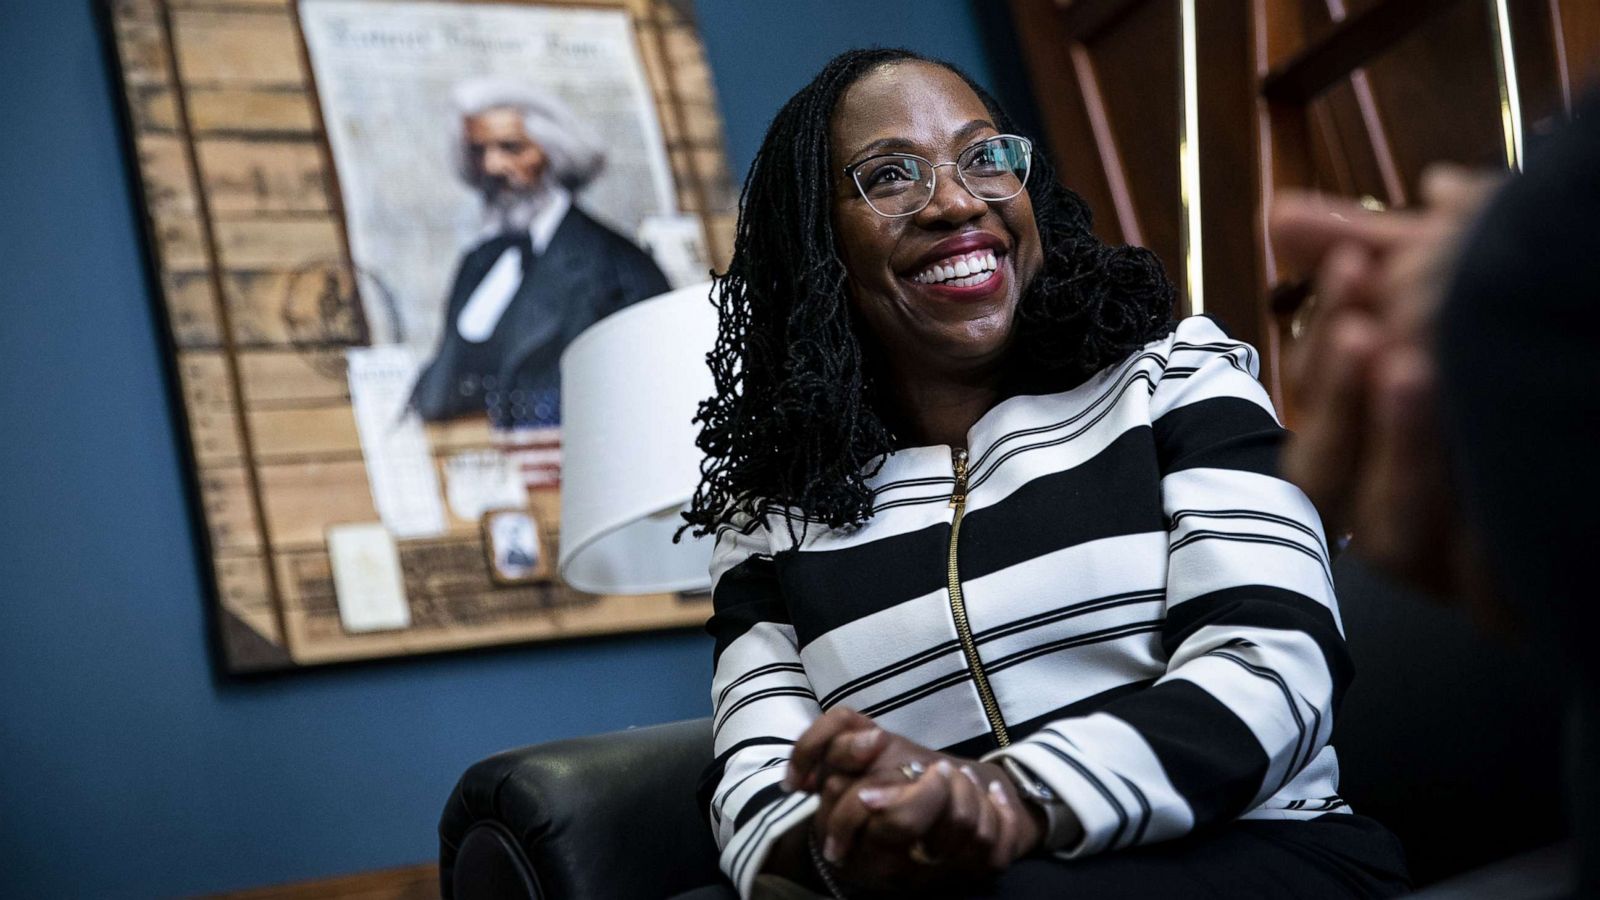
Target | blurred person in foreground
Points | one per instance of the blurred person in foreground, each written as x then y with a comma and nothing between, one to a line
1450,402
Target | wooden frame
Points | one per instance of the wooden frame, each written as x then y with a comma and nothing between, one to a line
540,570
250,255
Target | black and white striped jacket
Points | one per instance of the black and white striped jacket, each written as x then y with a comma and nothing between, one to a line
1140,613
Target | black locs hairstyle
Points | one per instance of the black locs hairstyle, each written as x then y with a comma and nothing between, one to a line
795,425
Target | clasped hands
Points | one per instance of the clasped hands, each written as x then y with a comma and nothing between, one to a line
1367,448
894,813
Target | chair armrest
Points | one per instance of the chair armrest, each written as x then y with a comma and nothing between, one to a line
613,815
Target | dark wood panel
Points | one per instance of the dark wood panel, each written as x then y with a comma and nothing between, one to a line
1440,83
1226,82
1533,39
1085,19
1105,145
1578,44
1351,141
1345,159
1349,44
1282,131
1357,97
1136,61
1069,136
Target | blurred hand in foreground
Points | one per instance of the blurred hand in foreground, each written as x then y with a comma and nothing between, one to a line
1367,449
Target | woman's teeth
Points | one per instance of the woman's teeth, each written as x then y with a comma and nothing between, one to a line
960,271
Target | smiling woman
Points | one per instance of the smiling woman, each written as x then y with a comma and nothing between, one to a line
793,368
1009,599
943,344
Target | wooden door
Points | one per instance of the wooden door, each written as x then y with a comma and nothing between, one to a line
1179,120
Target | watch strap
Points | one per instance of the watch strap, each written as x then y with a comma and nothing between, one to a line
1035,791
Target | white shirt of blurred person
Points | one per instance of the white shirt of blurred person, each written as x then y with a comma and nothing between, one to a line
540,270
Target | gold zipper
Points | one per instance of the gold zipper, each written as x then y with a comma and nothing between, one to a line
958,605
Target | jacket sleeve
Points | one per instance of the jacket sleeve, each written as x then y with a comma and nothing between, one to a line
761,702
1256,659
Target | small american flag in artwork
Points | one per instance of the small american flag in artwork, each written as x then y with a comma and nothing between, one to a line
536,453
527,429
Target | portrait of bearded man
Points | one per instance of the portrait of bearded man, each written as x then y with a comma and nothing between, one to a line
540,269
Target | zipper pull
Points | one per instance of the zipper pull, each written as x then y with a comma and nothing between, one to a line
958,459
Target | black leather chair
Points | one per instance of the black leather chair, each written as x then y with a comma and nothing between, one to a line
1451,740
609,816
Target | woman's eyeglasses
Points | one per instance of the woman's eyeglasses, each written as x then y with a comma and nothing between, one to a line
901,184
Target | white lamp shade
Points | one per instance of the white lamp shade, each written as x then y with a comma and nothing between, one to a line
630,387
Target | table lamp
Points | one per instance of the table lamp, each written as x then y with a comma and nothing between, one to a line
630,387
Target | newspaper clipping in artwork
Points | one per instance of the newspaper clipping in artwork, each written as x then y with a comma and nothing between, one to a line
505,186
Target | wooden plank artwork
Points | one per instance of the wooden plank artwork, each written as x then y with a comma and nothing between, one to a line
249,250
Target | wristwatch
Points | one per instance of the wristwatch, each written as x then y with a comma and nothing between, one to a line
1036,792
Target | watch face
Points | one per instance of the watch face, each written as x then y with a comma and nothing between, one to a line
1030,787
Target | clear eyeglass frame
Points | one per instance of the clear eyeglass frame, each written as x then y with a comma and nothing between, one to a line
1014,145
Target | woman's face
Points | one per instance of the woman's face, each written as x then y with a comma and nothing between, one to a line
925,323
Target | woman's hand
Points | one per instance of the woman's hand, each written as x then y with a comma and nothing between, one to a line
960,817
957,819
844,740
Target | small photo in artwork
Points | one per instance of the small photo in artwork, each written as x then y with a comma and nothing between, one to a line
515,547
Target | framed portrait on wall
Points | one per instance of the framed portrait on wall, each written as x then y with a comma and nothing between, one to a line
512,539
375,225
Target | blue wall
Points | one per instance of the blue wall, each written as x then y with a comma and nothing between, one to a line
127,768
